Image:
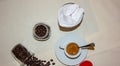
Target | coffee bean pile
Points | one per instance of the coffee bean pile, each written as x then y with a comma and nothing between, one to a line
25,57
33,61
40,30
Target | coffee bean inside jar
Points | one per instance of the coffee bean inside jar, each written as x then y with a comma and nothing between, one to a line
41,32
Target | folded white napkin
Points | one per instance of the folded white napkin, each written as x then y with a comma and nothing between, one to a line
70,15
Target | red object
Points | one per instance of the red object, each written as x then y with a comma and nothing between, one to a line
86,63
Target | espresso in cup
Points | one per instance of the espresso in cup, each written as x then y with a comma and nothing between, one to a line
72,50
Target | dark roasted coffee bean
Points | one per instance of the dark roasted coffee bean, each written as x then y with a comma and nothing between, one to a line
35,64
41,64
44,61
53,63
51,60
33,59
48,63
39,61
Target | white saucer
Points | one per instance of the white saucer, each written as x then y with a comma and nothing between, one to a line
65,40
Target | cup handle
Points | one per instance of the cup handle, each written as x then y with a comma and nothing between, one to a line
61,47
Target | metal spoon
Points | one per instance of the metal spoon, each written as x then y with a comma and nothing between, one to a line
90,46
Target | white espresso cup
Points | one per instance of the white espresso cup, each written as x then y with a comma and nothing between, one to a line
72,50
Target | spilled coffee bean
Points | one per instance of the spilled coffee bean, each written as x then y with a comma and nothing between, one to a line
51,60
22,54
53,63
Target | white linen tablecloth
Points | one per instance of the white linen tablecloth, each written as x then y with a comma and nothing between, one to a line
100,25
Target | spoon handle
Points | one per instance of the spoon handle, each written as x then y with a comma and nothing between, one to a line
89,46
